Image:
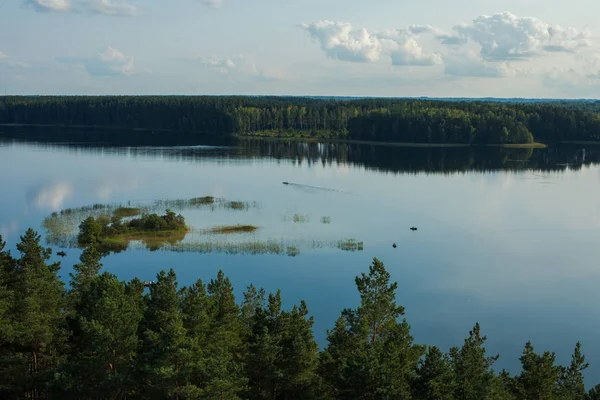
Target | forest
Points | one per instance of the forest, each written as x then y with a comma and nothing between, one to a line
381,120
102,338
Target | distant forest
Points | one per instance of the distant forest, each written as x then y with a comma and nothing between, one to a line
384,120
103,338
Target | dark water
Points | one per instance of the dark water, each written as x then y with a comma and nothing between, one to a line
508,238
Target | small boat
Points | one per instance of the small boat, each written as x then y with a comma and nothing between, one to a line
394,245
61,254
286,183
413,228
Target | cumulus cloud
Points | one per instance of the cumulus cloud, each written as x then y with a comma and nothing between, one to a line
505,36
107,7
49,5
471,66
109,62
240,67
102,7
213,3
340,41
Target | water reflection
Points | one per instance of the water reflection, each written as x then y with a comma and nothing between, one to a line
396,160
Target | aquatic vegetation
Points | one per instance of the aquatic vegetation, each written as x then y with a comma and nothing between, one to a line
293,251
326,220
62,227
296,218
202,200
229,229
251,248
350,245
123,212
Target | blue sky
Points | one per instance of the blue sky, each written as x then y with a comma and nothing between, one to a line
462,48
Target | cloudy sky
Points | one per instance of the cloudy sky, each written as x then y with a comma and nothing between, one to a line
463,48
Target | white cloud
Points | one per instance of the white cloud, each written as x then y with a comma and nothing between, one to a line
213,3
107,7
11,62
241,67
505,36
340,41
104,7
109,62
469,65
49,5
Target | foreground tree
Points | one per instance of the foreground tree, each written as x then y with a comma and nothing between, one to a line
435,378
38,322
475,378
102,360
371,354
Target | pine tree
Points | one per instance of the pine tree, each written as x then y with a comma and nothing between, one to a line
299,358
435,378
103,358
165,351
371,354
472,369
7,351
594,393
225,347
539,376
571,385
84,272
38,318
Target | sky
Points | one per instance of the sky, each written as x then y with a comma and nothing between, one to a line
399,48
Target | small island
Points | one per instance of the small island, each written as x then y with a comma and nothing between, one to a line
113,234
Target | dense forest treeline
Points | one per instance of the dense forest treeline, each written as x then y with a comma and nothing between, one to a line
106,339
387,120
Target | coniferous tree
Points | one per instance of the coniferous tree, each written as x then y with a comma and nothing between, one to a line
102,362
371,354
571,385
7,298
539,377
472,369
225,347
165,351
435,377
38,324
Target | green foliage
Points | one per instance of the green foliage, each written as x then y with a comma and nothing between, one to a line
387,120
539,378
472,369
435,378
103,338
371,353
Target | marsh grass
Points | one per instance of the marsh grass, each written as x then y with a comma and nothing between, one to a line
62,227
231,229
123,212
292,251
350,245
296,218
252,248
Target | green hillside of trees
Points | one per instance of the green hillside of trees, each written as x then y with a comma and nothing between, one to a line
387,120
103,338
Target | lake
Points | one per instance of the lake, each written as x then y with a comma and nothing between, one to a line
508,238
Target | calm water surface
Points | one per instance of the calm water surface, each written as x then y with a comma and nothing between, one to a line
506,238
